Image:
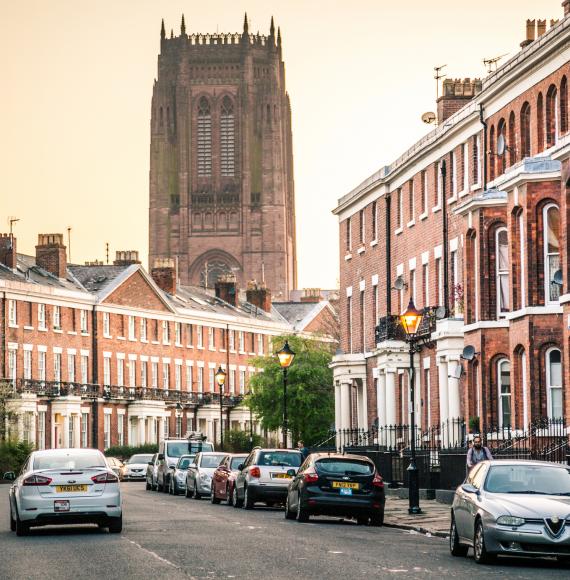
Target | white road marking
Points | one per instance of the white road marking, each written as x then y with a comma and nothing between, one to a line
154,554
332,552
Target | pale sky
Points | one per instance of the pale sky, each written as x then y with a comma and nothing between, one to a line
77,82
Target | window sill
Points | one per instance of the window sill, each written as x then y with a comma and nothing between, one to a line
348,257
361,250
165,343
452,199
200,348
211,349
84,333
189,346
121,338
464,192
411,223
476,186
374,243
42,328
29,327
423,216
107,336
436,208
58,330
72,332
155,342
178,344
132,339
144,340
398,231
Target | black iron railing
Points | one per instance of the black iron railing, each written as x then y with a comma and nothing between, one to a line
390,328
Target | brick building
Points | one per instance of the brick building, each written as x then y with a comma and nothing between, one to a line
101,355
221,163
473,217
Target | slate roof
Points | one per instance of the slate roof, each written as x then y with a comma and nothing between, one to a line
299,314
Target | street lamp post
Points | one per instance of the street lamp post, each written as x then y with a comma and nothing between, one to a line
221,380
410,320
286,356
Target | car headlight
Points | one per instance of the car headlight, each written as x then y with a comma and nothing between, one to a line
204,476
510,521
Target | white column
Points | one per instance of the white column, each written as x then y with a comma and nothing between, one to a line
53,439
337,406
345,405
390,396
142,433
65,434
443,397
453,390
362,405
76,430
381,399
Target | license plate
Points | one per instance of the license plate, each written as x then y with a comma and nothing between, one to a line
345,491
280,476
70,488
61,505
345,485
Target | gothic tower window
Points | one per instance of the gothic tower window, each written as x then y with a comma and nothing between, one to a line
227,138
204,149
525,130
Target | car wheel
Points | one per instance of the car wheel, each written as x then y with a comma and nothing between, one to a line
116,525
455,547
302,513
247,500
564,560
362,520
148,486
12,521
289,515
22,528
377,520
236,502
195,492
166,486
213,498
187,491
480,554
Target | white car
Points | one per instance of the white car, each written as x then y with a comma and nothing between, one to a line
65,486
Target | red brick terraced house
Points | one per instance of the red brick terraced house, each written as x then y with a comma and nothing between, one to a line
474,218
103,355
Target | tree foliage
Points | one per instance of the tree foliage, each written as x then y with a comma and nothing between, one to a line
13,454
310,393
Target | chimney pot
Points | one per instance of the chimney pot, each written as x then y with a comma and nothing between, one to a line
566,6
8,255
259,295
456,94
226,289
540,27
126,258
51,254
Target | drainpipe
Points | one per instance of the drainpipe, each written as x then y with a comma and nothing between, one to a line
3,341
228,374
484,123
94,379
388,257
445,240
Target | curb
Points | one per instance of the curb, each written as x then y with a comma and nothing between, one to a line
418,529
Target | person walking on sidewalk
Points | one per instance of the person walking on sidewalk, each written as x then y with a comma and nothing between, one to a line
477,452
304,451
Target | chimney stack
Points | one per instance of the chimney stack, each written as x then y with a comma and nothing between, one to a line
456,94
126,258
164,274
226,289
8,255
566,6
311,295
51,254
259,295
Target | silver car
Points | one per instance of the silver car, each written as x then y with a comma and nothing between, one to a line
65,486
177,478
199,474
514,508
152,473
134,469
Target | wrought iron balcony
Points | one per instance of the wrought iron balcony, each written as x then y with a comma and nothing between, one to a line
390,328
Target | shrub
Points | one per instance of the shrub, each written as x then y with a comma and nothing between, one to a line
236,441
13,454
125,451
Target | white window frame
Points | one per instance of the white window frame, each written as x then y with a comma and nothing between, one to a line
57,318
178,376
106,324
84,369
189,378
465,168
165,376
120,429
499,274
144,374
200,379
83,321
12,364
132,327
41,365
550,387
260,344
27,365
143,329
107,371
106,431
57,367
522,261
12,313
241,340
547,279
84,430
165,332
120,372
71,367
154,374
41,429
211,338
501,396
132,366
200,336
177,334
42,317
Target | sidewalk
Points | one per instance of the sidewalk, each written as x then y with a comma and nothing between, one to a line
433,520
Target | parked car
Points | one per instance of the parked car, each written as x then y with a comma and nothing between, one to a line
151,473
199,474
115,464
134,468
512,507
337,485
224,477
265,476
65,486
178,476
170,451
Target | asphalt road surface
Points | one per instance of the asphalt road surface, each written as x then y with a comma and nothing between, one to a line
173,537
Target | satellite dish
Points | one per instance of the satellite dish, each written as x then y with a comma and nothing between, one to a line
501,145
557,278
428,118
468,352
399,283
457,372
440,312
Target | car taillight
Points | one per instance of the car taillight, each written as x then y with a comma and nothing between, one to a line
37,480
105,478
378,481
310,476
255,472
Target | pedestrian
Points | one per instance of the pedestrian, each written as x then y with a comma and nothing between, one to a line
304,451
477,452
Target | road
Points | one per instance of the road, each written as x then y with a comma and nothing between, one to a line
174,537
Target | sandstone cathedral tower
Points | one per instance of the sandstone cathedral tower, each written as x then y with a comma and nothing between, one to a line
221,164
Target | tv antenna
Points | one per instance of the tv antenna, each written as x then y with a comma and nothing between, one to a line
437,70
491,63
12,221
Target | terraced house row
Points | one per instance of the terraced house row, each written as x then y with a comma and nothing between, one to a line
474,218
102,355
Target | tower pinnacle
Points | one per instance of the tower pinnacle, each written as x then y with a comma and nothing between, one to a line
279,36
272,28
183,27
245,25
162,30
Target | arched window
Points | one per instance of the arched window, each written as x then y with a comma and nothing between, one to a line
512,141
204,138
504,383
554,383
551,223
540,123
551,116
525,130
502,273
501,130
227,138
563,106
492,149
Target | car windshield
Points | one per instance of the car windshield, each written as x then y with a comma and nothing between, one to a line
280,458
332,466
184,462
237,461
211,460
140,458
69,460
528,479
179,448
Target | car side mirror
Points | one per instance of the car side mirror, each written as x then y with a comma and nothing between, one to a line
192,465
241,466
161,456
291,473
10,476
468,488
150,462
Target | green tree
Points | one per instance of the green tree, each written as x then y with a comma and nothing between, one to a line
310,393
